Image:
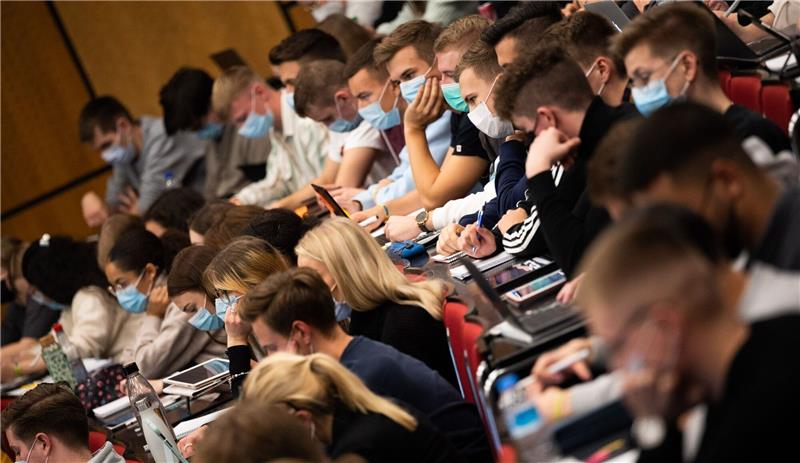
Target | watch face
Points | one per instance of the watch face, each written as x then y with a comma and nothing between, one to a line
422,216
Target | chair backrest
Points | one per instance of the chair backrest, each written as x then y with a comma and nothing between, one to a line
453,317
746,91
777,104
98,439
472,358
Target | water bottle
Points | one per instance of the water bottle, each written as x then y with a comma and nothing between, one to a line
524,424
73,357
169,180
151,415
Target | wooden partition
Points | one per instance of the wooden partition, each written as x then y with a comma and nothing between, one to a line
126,49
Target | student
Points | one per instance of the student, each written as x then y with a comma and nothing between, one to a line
48,423
674,331
202,220
229,224
281,228
355,146
186,101
343,414
694,158
172,210
547,94
186,290
302,47
234,271
143,157
137,271
385,306
381,105
586,37
670,53
502,35
296,145
476,74
293,312
411,55
63,275
94,210
253,432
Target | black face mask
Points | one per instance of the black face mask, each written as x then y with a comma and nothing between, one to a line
7,293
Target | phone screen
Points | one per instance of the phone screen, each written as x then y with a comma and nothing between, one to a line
538,286
512,273
202,372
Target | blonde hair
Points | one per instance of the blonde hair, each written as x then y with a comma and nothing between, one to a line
244,263
229,86
313,383
461,33
363,271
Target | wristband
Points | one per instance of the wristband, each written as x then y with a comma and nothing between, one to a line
17,370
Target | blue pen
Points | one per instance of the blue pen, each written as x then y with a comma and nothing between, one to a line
479,224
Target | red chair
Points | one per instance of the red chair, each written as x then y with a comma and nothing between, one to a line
98,439
746,91
777,104
725,82
453,317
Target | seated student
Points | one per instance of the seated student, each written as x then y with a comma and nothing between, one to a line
293,312
476,74
63,276
137,271
296,145
202,220
234,271
299,48
140,152
381,105
503,33
674,331
230,224
172,211
355,146
281,228
408,49
548,95
253,432
587,38
343,414
48,423
186,101
385,305
694,158
779,14
94,210
186,290
670,53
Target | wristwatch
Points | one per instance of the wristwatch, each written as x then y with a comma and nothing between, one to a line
421,219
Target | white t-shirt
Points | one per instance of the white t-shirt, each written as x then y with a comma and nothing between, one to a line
363,136
786,13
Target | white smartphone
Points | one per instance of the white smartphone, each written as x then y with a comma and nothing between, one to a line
200,375
537,287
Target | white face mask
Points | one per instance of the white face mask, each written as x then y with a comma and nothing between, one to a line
487,122
33,444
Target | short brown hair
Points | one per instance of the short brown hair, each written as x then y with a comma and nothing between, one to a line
547,76
187,270
110,232
418,34
532,31
668,29
461,33
298,294
306,45
230,224
585,36
482,59
229,85
316,85
350,34
602,180
101,113
363,58
52,409
204,218
254,432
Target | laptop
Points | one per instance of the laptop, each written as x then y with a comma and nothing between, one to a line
611,11
534,321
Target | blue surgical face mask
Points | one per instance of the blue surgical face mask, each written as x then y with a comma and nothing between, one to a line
288,97
341,124
223,304
342,311
377,117
410,88
256,125
653,96
210,131
203,320
119,153
131,299
452,95
43,300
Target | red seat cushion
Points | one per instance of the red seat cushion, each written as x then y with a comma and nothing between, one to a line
777,104
746,91
453,318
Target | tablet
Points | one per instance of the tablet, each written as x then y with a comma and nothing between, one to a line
329,202
200,375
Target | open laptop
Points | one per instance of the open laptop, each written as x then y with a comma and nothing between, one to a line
732,49
534,321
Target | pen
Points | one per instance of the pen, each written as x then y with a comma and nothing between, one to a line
478,224
568,361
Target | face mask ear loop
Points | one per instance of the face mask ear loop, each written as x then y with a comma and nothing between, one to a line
253,99
491,89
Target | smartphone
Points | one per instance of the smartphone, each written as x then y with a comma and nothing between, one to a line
538,287
330,203
521,273
200,375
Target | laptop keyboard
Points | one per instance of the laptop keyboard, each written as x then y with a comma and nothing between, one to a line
542,318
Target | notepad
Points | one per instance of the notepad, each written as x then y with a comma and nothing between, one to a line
185,428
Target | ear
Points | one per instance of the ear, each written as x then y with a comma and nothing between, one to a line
342,95
729,176
547,118
305,416
665,314
47,443
151,270
689,65
122,123
605,67
303,329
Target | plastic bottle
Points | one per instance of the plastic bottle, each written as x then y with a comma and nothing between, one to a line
151,415
523,422
169,180
73,357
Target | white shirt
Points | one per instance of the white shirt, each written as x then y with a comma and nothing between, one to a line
453,210
363,136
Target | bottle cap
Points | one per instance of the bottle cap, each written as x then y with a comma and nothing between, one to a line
131,368
57,327
506,382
